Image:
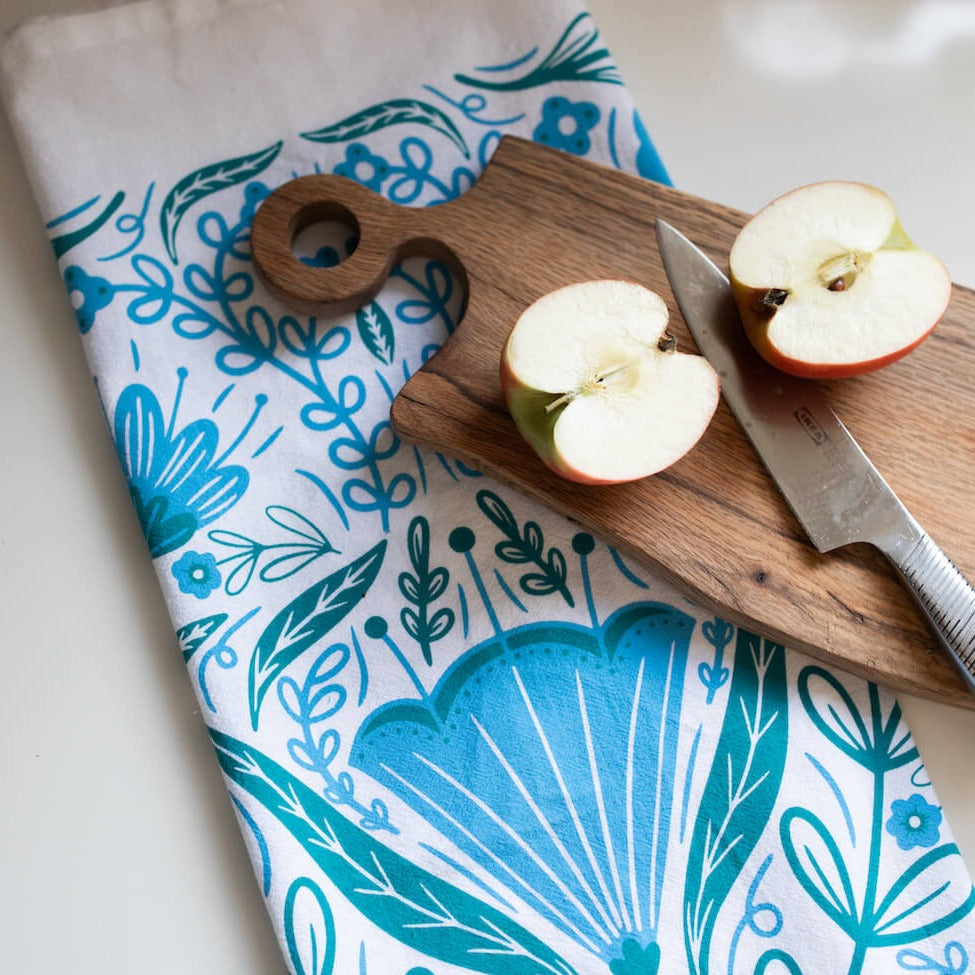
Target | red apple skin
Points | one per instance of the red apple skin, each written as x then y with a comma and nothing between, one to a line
755,320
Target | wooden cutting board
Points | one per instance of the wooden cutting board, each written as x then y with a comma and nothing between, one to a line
714,524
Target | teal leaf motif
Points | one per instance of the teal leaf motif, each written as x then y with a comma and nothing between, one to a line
376,331
740,790
422,587
818,864
306,619
309,929
282,559
192,636
66,242
202,182
575,57
396,111
924,901
880,745
526,546
412,905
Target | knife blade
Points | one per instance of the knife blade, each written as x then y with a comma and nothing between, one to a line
835,492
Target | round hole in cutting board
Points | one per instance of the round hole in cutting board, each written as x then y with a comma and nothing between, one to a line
325,236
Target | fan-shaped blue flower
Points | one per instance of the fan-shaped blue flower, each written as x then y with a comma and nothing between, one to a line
549,756
176,481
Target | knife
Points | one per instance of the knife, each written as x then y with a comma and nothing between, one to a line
833,489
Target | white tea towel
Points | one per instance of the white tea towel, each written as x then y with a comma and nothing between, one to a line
460,734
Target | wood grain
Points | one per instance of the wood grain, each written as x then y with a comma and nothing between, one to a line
714,524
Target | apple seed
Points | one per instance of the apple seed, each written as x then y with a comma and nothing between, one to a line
839,273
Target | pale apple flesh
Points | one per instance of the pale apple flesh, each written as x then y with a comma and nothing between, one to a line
596,387
829,285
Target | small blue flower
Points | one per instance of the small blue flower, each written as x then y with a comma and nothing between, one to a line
914,822
566,125
197,573
363,166
88,294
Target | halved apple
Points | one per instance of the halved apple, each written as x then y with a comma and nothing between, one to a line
828,285
599,389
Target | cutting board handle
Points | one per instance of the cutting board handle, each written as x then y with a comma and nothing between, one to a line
386,234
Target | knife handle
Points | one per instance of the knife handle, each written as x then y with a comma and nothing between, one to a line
945,596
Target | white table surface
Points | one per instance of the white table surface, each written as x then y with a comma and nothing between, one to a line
118,850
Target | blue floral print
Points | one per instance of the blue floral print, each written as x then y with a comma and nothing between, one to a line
176,481
197,573
414,677
94,294
363,166
566,125
914,822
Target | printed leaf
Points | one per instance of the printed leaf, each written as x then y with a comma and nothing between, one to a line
409,903
533,539
880,744
297,524
411,622
437,582
536,584
925,900
418,541
409,587
573,58
422,589
65,242
740,790
498,512
309,929
519,548
202,182
376,331
835,713
291,562
556,565
818,864
192,636
512,552
396,111
306,619
441,622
